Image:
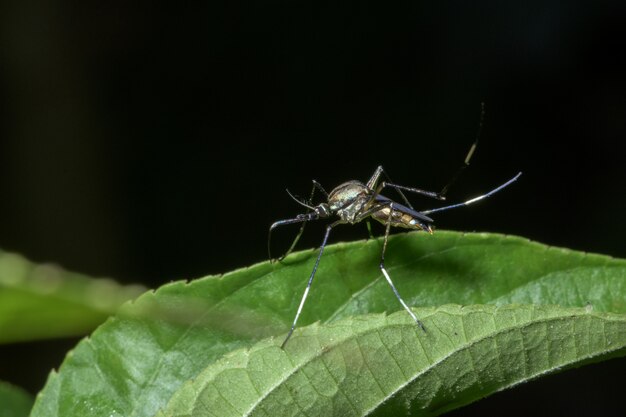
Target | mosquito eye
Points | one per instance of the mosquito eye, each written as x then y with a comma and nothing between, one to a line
322,210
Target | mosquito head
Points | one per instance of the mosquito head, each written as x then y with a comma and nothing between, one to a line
322,210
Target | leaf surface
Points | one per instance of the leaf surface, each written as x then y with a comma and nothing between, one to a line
133,364
14,401
378,365
44,301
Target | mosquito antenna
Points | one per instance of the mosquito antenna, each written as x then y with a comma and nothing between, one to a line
302,203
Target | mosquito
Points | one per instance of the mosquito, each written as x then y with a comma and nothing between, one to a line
353,202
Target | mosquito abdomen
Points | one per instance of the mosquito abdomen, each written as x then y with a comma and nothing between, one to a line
400,219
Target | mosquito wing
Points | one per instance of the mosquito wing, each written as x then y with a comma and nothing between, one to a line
404,209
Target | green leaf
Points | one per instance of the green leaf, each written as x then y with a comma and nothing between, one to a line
14,401
133,364
44,301
378,365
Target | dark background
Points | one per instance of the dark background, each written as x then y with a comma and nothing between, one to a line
153,142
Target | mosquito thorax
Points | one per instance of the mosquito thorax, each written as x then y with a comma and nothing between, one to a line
349,199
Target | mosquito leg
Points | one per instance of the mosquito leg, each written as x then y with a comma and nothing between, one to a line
475,199
308,285
386,274
373,181
442,194
301,231
300,218
319,187
369,229
444,191
432,194
458,172
373,184
469,155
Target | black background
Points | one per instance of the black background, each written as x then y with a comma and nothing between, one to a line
153,142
